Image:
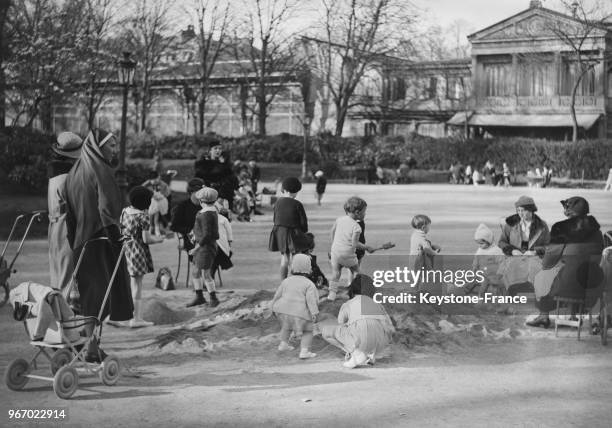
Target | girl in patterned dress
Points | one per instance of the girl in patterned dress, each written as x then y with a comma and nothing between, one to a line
136,227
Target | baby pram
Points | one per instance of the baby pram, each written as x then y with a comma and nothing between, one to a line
6,269
60,336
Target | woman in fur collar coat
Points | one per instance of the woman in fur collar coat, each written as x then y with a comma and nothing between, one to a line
524,235
571,263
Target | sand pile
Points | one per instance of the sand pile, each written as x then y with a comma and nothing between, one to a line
242,322
159,313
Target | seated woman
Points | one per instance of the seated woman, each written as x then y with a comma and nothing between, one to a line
365,328
524,235
571,263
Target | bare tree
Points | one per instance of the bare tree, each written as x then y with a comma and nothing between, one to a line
356,34
272,59
150,36
47,37
213,20
589,19
97,61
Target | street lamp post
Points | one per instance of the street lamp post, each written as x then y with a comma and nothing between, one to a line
126,78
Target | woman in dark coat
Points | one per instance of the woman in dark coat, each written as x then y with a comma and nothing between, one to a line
94,205
571,263
217,174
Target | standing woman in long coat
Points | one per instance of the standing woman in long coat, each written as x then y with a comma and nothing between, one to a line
66,150
94,208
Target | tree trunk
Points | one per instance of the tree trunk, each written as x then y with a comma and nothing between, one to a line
262,110
143,110
305,149
573,111
46,115
244,93
324,114
201,117
341,111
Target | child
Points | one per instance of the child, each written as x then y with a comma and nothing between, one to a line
159,203
316,276
321,184
422,251
506,174
206,233
365,328
290,224
223,259
345,241
296,305
135,224
487,259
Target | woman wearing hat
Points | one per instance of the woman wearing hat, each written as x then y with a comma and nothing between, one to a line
206,233
66,150
523,235
570,266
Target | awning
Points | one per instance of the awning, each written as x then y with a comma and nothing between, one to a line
585,121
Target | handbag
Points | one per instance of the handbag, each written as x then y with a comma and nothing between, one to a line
164,280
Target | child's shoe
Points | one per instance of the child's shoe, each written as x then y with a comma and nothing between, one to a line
305,353
358,358
138,323
284,346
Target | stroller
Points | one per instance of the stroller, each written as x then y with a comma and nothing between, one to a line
6,269
60,336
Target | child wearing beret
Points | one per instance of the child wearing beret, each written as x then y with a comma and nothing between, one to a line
206,232
290,224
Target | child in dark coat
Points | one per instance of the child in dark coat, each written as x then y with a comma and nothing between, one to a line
290,224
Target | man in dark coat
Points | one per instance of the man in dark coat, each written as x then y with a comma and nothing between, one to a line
217,174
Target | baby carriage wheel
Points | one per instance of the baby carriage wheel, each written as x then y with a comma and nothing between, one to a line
15,374
60,359
65,382
109,375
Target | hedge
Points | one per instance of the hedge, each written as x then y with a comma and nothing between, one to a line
24,153
23,157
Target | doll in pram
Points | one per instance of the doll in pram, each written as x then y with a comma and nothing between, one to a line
68,341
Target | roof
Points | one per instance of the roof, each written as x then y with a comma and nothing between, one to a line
538,11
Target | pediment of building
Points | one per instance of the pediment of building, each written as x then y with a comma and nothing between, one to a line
536,23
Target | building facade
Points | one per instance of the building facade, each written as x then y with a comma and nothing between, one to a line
525,68
520,80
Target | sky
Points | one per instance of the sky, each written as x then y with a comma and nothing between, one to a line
477,13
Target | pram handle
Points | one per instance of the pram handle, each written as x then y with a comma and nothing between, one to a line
8,240
35,216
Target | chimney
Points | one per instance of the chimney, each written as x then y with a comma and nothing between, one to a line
533,4
575,9
188,34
